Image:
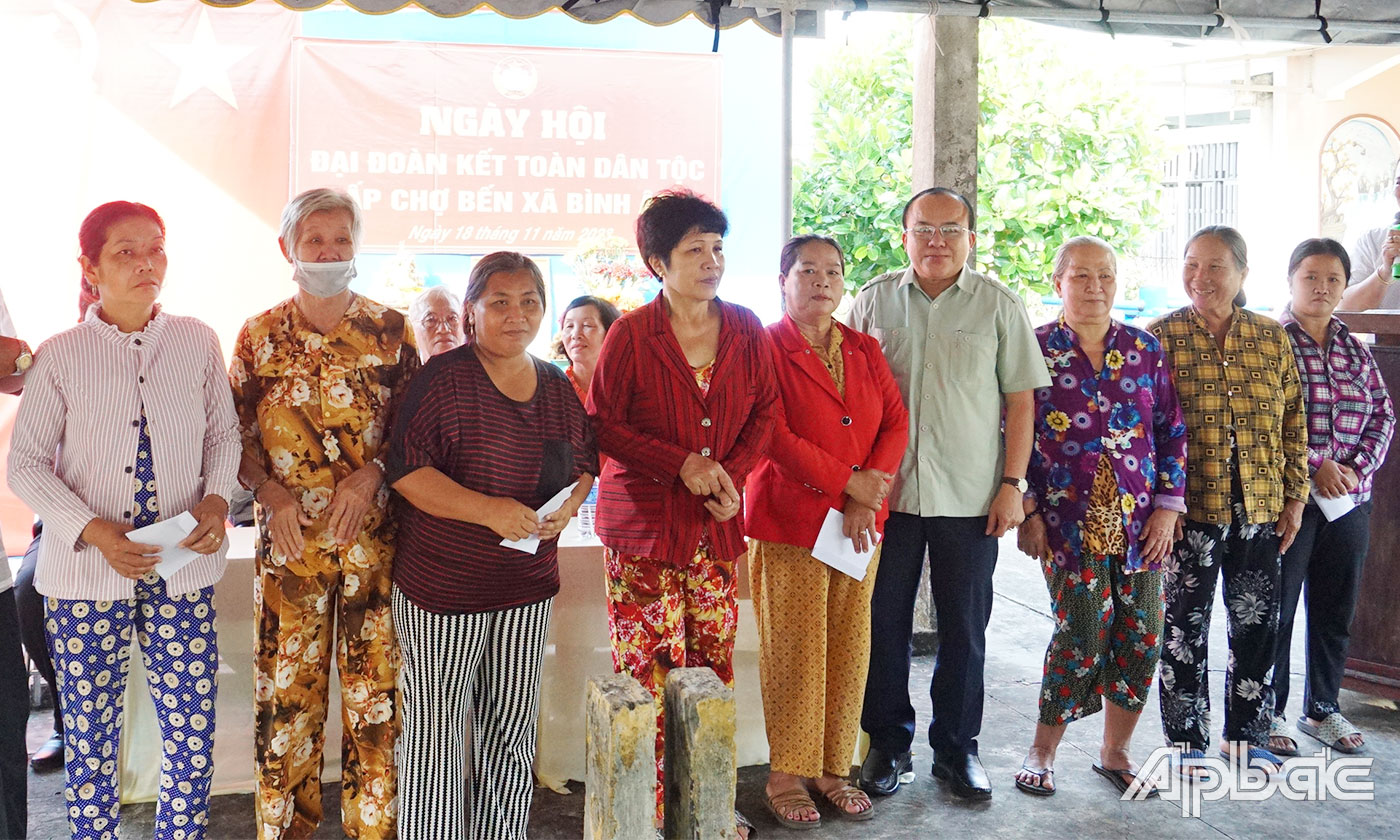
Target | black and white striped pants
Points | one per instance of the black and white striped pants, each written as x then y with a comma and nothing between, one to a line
483,671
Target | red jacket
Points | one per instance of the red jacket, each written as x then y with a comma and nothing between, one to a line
819,436
650,415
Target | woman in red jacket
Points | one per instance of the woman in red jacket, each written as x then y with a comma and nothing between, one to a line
682,400
835,447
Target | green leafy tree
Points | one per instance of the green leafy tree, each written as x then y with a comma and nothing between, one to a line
1063,149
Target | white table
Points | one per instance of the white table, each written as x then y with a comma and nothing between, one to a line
578,647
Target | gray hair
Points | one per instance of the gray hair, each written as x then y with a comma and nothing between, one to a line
1231,239
1062,253
314,201
424,301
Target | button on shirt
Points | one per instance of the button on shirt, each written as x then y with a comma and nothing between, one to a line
1350,414
953,359
1250,392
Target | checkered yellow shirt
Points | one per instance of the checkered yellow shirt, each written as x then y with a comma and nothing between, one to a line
1253,388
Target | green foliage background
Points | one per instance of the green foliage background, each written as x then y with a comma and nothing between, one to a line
1064,148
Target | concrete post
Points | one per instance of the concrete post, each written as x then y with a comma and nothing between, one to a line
700,772
946,108
620,792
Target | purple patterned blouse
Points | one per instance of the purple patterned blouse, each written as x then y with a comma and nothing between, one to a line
1127,410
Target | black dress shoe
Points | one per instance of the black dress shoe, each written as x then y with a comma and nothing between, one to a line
882,773
964,775
49,756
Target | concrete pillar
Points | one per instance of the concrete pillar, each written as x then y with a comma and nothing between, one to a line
700,772
620,792
946,109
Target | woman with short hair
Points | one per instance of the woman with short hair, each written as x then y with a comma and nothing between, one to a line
1350,423
314,380
1107,482
683,402
488,435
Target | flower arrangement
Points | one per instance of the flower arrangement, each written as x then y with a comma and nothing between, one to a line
607,268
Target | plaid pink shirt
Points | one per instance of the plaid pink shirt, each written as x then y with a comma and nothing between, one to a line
1350,415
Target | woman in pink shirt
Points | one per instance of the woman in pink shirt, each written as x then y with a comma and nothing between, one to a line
127,420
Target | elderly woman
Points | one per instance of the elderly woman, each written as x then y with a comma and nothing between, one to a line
488,435
586,321
437,321
313,379
683,401
1246,484
1107,485
840,432
126,420
1350,423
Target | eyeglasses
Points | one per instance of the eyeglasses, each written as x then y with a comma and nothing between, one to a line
432,323
926,232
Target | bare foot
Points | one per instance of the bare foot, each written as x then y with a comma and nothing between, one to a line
793,809
1038,768
1354,740
1240,749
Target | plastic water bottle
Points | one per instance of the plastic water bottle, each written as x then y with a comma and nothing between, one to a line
586,512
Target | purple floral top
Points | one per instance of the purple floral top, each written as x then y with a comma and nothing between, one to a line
1084,414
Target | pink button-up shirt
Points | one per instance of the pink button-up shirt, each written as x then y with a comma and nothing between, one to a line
73,452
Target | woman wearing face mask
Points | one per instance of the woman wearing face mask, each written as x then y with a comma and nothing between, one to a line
313,380
1246,484
840,431
1350,422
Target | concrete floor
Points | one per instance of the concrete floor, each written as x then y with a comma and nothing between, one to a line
1085,807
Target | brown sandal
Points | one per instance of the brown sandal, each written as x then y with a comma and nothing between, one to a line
843,797
787,802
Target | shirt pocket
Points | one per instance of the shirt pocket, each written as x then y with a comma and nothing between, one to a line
973,357
898,350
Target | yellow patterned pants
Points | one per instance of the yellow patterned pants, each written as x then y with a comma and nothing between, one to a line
813,653
299,619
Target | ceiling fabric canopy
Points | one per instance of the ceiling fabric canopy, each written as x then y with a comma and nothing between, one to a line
1305,21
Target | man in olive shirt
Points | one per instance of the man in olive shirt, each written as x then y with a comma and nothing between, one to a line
962,350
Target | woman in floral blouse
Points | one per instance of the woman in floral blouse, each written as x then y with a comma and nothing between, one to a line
313,379
1246,484
1107,479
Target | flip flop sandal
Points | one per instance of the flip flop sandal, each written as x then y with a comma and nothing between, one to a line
1279,729
841,798
1257,758
787,802
1331,731
1038,789
1124,779
1185,769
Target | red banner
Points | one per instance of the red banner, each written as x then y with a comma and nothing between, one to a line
465,148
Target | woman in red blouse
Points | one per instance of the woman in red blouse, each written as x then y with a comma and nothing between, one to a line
683,403
840,433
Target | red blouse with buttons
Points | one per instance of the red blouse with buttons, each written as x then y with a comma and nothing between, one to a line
819,436
650,415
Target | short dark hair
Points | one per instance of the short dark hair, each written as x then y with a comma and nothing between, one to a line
668,216
788,256
1320,246
967,205
1233,240
92,236
500,261
608,313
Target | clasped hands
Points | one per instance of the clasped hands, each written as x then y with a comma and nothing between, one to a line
135,560
705,477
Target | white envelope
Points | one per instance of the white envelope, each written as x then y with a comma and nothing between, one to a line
836,550
167,534
530,545
1336,508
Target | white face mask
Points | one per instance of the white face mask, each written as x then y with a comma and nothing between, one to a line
324,279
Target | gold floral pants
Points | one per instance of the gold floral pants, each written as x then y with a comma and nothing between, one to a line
299,618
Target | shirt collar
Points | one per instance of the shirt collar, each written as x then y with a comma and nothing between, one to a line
147,335
964,281
1109,339
1336,328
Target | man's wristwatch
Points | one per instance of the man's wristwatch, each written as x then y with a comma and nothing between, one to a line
1019,483
22,362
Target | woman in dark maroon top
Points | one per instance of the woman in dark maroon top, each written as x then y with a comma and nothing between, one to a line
487,434
683,402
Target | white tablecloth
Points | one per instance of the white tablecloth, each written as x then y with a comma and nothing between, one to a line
577,648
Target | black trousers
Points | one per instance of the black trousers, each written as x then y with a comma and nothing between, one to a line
1325,561
14,717
30,605
961,561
